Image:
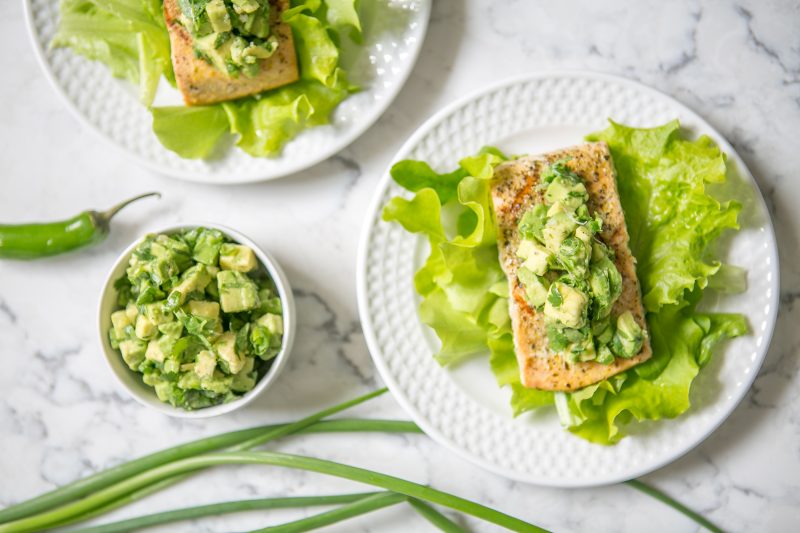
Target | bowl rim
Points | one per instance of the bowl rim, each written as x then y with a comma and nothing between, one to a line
148,398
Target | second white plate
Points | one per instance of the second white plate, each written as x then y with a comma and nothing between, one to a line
111,108
463,408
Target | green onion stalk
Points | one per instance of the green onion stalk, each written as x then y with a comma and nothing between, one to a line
128,482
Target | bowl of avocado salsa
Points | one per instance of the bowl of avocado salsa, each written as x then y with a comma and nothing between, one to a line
196,320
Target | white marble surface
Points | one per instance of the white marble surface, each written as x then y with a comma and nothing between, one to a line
62,416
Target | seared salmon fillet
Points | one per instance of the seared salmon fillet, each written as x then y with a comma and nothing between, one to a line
515,190
201,83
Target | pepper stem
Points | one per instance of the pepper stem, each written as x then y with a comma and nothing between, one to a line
105,216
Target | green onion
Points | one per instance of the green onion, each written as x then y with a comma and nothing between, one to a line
658,495
331,468
215,509
131,481
323,426
362,506
258,436
435,517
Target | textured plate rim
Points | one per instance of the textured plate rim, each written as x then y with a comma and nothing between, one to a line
373,213
253,177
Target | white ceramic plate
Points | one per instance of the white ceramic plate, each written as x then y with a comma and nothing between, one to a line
463,408
110,106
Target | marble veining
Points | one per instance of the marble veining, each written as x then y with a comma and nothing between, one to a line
62,416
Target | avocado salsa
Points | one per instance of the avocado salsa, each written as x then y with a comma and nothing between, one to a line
231,35
198,317
569,273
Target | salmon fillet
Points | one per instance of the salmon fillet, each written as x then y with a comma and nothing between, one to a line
514,191
201,83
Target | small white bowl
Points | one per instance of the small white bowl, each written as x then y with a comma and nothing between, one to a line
132,381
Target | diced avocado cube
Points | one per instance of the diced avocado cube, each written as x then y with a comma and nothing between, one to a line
156,313
179,250
556,209
132,311
114,339
207,245
238,45
273,323
584,234
628,338
204,364
249,365
245,6
269,303
212,289
557,228
218,16
243,382
172,366
189,380
209,48
574,254
225,347
584,350
164,391
536,256
569,194
171,257
532,222
604,355
237,292
600,251
566,305
152,377
120,320
203,309
237,257
602,330
605,282
171,329
261,341
194,279
154,352
158,251
219,383
145,328
133,351
535,288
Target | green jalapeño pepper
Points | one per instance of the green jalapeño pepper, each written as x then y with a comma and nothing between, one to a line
31,241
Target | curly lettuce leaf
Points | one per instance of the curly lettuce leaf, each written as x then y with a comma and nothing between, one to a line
266,124
673,222
461,282
130,37
671,219
682,342
191,132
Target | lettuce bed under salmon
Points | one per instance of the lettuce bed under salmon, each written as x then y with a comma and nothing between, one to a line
130,37
673,222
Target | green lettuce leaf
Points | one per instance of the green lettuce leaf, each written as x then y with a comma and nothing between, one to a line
673,222
461,282
130,37
682,343
190,132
